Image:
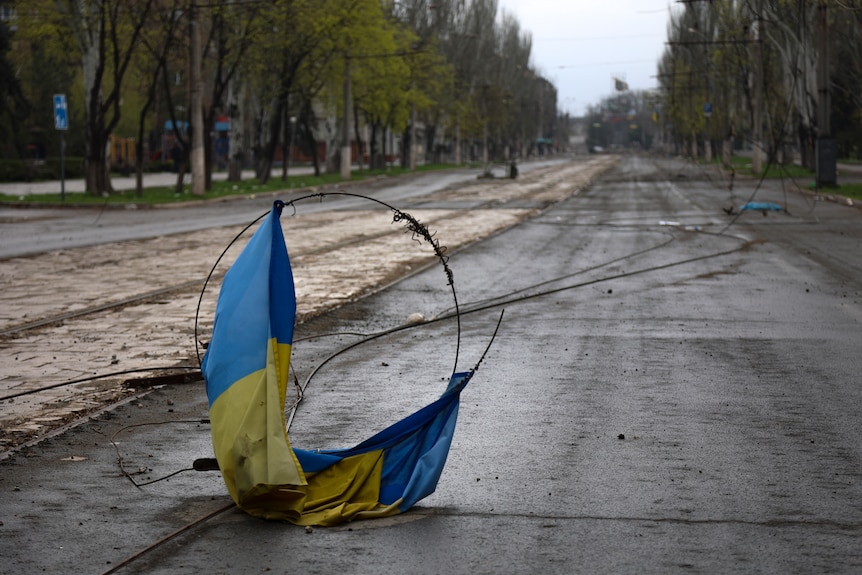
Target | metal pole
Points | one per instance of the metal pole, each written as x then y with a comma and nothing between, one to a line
691,118
707,144
62,168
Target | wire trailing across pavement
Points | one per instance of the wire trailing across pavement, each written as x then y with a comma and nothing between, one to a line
97,377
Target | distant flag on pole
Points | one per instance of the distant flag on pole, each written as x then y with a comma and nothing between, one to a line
246,372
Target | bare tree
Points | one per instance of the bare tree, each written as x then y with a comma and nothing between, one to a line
108,32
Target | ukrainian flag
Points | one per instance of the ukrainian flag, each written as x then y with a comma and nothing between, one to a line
246,373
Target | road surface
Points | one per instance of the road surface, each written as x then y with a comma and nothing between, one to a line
673,390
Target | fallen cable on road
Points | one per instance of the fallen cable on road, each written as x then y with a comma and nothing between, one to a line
193,371
246,368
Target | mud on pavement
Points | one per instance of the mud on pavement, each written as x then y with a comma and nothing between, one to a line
128,307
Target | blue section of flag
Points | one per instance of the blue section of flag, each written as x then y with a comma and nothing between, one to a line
256,303
414,449
282,297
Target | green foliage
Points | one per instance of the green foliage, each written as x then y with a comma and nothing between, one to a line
452,62
853,191
732,46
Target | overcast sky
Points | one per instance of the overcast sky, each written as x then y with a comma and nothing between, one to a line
580,45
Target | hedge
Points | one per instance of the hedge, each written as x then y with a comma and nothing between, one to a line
49,169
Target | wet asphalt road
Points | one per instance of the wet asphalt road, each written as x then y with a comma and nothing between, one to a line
660,398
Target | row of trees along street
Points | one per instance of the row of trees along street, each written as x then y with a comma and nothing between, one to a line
776,75
180,78
782,78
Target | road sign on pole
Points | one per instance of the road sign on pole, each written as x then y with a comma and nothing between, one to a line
61,122
61,114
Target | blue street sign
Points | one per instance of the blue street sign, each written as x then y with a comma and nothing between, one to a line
61,114
707,109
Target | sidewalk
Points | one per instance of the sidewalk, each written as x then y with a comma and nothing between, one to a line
151,180
164,179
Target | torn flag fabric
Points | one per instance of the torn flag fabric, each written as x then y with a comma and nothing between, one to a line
246,372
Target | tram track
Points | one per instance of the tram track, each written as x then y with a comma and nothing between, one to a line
76,334
59,318
194,285
189,286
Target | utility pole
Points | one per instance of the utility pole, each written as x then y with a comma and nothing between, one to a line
756,150
826,149
727,141
691,117
707,141
345,127
707,108
197,152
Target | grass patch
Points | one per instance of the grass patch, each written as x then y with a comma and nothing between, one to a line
220,189
853,191
742,165
803,177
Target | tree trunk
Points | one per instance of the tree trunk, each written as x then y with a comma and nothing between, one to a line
485,146
209,122
98,176
358,137
430,136
236,142
181,174
139,168
372,146
310,143
284,150
98,179
405,148
384,133
234,168
97,169
458,144
139,143
264,165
